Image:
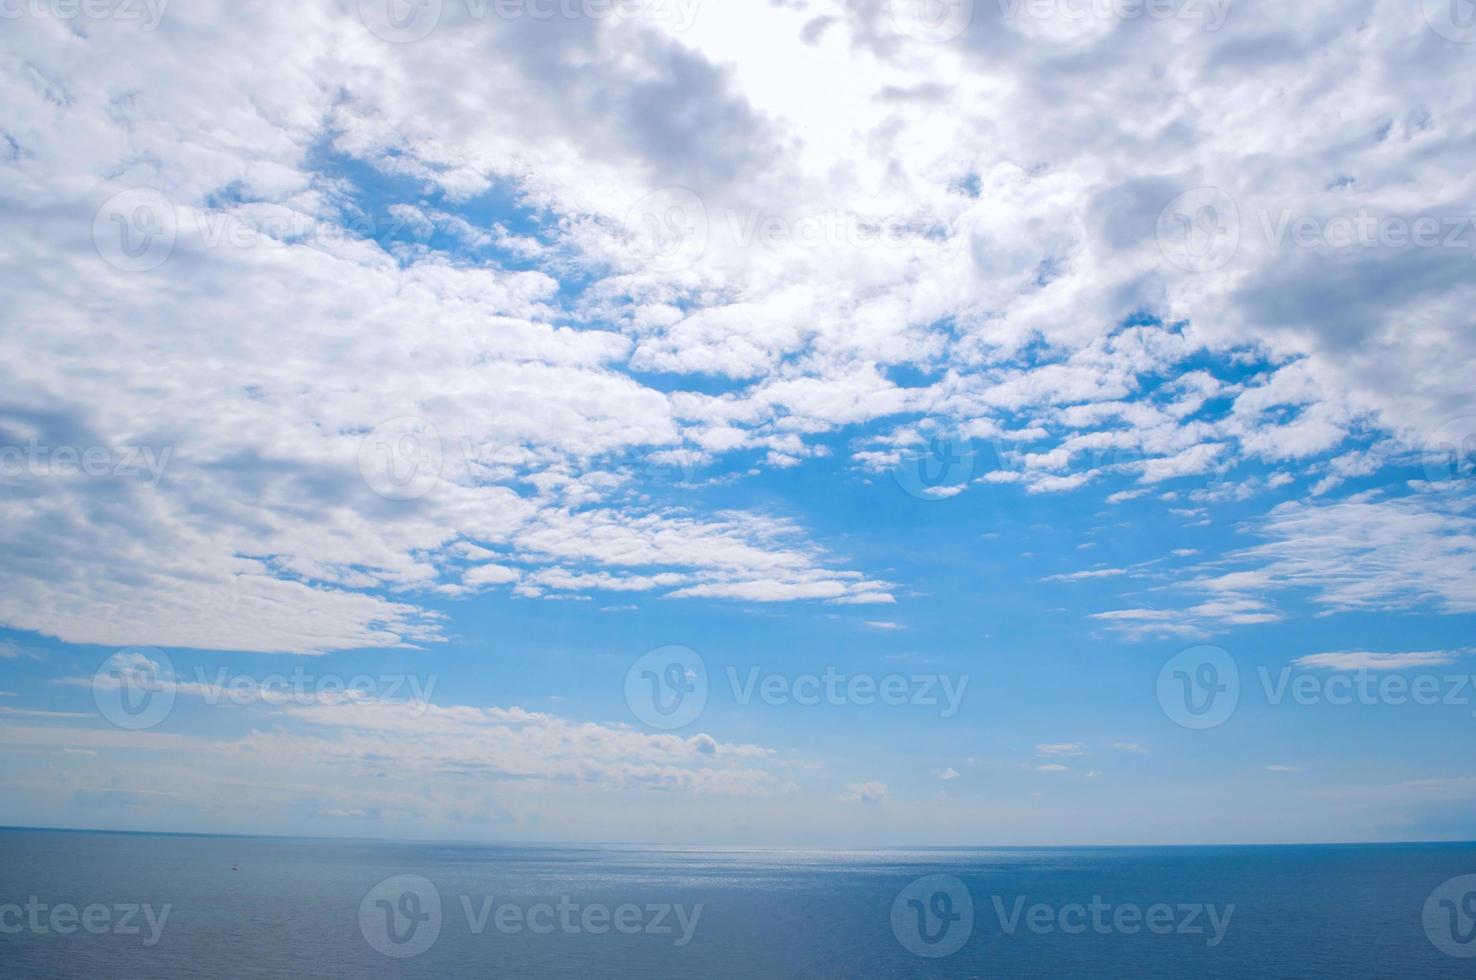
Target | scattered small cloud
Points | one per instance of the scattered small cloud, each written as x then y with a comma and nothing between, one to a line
946,774
866,793
1084,576
1056,749
1356,660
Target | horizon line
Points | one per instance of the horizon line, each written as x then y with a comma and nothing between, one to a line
6,828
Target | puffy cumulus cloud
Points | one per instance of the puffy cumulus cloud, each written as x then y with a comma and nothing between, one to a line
800,219
1074,137
262,358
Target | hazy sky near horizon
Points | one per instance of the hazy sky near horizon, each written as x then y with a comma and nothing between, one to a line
865,422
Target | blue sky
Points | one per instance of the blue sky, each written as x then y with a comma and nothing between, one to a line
999,373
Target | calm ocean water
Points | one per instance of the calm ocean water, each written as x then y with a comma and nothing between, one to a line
117,905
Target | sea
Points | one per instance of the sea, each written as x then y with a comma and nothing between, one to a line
101,905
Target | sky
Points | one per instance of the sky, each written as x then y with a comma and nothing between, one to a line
1003,422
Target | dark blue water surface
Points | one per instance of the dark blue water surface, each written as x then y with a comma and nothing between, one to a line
279,908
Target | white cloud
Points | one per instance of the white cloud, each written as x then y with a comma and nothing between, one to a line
1376,661
865,793
1086,575
1366,553
336,744
1019,235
